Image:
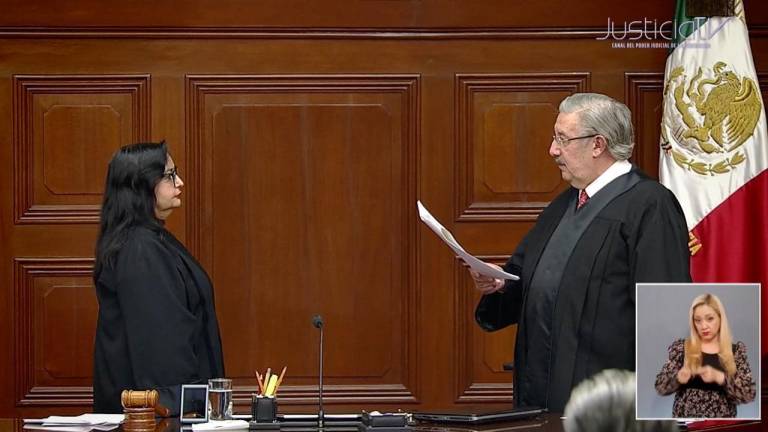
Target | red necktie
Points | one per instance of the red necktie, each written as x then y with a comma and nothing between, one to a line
583,198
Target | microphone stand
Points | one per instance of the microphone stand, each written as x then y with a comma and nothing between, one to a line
317,321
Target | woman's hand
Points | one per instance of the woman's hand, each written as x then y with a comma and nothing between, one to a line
683,375
709,374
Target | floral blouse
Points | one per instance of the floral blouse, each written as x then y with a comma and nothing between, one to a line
710,400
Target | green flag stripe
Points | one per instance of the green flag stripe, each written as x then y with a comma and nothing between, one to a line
684,25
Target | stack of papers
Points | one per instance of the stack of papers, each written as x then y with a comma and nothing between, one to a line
220,425
81,423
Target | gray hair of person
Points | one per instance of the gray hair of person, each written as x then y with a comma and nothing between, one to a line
603,115
606,403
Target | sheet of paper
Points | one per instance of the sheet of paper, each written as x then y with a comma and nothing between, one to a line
68,427
221,425
446,236
58,428
83,419
82,423
94,418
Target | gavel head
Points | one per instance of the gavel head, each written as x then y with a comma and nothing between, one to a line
139,398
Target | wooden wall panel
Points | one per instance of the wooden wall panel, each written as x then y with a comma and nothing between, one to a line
481,376
65,131
317,171
644,99
55,313
302,16
502,172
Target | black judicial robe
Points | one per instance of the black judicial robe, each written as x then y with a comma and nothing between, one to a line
157,327
639,235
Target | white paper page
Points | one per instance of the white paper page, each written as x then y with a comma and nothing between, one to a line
221,425
84,419
103,418
58,428
446,236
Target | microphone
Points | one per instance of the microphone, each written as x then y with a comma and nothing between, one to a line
317,321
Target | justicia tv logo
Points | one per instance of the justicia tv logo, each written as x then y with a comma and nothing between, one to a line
648,33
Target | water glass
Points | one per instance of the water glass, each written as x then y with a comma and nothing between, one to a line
219,399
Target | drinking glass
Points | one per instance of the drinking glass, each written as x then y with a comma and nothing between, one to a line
219,399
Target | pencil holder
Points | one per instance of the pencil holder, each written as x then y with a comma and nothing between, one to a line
264,409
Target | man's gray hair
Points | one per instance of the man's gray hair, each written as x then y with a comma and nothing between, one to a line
606,403
603,115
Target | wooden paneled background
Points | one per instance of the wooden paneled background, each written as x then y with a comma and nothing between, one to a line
305,132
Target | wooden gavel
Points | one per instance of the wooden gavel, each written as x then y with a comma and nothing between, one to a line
144,399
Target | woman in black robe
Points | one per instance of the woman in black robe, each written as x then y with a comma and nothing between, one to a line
157,326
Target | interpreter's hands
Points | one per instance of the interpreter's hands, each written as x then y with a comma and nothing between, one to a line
487,284
709,374
683,375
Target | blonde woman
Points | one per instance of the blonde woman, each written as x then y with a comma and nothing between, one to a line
708,373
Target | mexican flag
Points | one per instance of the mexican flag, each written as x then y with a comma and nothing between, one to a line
714,148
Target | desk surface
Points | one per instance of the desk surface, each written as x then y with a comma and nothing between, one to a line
544,423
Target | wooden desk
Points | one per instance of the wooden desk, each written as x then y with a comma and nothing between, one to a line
544,423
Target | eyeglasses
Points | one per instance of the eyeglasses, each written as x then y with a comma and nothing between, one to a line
171,175
562,142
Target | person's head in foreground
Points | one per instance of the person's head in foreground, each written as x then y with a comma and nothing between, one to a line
606,403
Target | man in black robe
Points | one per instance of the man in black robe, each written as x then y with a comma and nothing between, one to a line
575,301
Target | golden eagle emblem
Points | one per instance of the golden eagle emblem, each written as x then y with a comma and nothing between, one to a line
711,117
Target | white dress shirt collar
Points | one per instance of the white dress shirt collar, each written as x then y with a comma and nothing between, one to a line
618,169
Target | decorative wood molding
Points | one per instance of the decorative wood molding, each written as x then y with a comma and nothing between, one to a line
469,85
24,271
467,389
332,394
25,88
636,84
394,33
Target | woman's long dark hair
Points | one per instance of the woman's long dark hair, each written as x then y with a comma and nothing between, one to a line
129,198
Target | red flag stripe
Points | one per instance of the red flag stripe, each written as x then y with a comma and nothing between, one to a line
734,241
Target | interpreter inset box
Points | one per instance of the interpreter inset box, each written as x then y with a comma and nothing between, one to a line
698,351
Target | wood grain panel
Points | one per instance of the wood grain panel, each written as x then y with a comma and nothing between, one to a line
333,15
333,160
65,131
55,311
644,99
480,375
504,127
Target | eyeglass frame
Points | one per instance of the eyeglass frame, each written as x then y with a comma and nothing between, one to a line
562,142
171,175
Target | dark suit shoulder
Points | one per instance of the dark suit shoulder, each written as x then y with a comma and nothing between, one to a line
646,196
651,189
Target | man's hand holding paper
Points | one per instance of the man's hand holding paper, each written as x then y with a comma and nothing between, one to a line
486,284
478,266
